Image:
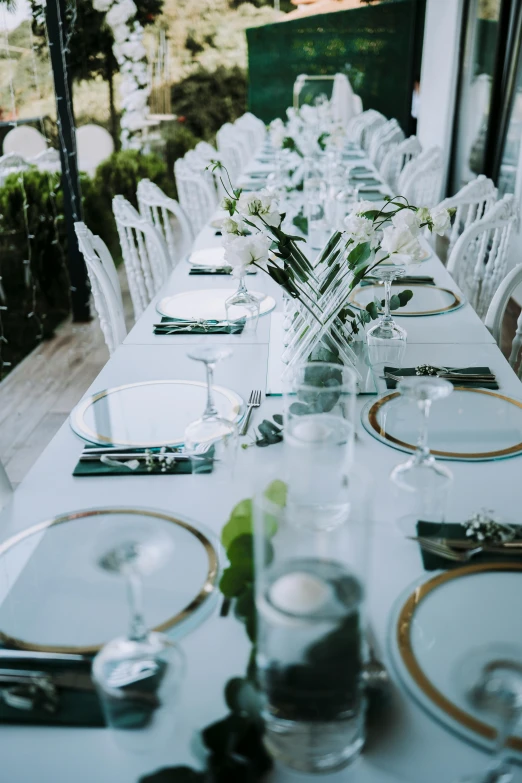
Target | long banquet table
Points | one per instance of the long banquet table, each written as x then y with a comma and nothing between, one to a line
409,746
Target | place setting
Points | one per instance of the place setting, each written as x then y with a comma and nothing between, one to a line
160,427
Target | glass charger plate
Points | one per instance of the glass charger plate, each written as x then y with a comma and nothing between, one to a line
209,256
148,413
426,300
470,425
206,304
428,639
80,606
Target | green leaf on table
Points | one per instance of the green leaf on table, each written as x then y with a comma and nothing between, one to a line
239,523
270,432
241,551
405,296
395,302
278,419
234,581
301,222
372,309
277,492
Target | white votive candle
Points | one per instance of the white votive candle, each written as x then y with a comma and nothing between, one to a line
299,593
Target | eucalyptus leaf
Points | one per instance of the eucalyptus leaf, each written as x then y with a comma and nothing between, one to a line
241,551
278,419
240,522
395,302
277,492
234,581
405,296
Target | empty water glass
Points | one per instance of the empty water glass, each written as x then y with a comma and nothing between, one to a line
315,198
319,410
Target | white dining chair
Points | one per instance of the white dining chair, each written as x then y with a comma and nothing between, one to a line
496,311
105,286
94,145
145,254
384,138
471,202
357,125
230,136
370,129
421,179
48,160
255,125
6,488
167,216
24,140
197,198
396,158
478,261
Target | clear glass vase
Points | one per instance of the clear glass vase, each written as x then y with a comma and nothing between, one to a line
243,304
309,601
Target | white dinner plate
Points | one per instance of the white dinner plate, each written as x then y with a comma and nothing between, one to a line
84,606
206,304
469,425
149,413
426,300
437,625
209,256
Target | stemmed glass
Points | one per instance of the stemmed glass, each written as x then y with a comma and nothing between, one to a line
243,304
210,438
137,676
386,340
490,680
425,480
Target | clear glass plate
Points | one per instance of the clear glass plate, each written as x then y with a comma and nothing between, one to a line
206,304
149,413
426,300
54,596
469,425
429,639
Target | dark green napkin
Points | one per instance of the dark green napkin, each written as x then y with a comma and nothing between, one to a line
97,468
360,170
410,371
406,280
371,195
257,174
433,562
212,327
364,181
222,270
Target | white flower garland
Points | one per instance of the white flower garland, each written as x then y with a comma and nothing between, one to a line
131,57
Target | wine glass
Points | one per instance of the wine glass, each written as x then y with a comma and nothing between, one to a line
490,681
211,438
137,677
243,304
424,482
386,340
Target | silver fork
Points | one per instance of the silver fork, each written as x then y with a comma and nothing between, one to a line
445,551
254,401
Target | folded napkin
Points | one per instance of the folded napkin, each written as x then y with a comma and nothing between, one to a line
433,562
117,466
218,270
193,327
371,195
257,174
365,181
410,371
406,280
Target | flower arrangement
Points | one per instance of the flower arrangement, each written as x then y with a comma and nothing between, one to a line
131,57
253,236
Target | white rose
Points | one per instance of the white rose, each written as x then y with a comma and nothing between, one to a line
136,101
133,50
233,226
406,218
119,31
249,204
363,206
423,215
401,245
133,120
440,219
121,12
241,252
102,5
359,228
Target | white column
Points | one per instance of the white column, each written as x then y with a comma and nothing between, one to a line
440,63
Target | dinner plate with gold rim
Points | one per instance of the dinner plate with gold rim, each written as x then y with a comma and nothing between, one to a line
471,425
206,304
430,640
149,414
426,300
80,606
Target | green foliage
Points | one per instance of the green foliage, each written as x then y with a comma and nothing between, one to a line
206,100
34,280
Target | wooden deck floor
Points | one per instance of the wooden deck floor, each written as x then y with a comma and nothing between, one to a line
37,397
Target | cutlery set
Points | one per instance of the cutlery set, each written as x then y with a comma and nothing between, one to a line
463,550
